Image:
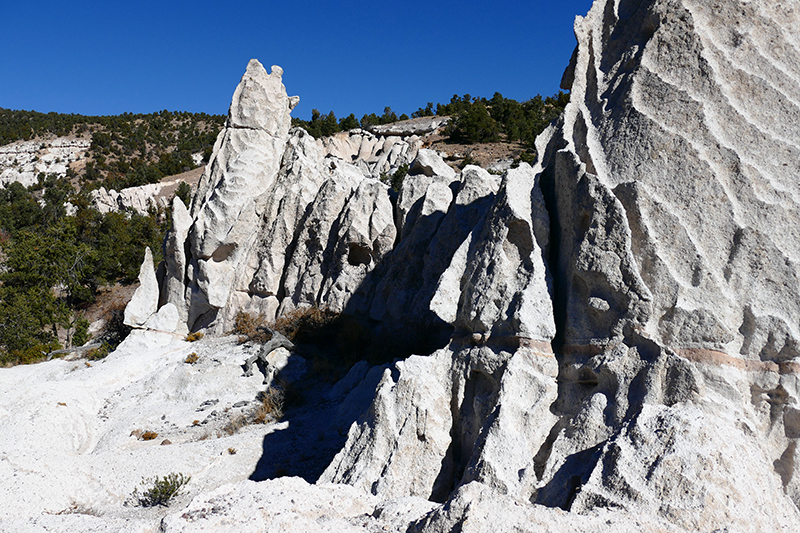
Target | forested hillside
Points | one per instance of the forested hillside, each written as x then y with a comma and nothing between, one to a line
54,263
475,119
126,150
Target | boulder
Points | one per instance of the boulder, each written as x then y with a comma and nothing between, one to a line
167,320
430,163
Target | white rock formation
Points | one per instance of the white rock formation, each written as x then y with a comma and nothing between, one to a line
429,163
281,220
23,161
144,302
373,155
234,191
408,128
172,289
140,199
497,282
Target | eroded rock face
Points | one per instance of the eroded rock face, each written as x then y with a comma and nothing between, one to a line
140,199
232,193
414,126
23,161
373,155
661,269
282,220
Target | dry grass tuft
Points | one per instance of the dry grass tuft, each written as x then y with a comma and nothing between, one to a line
192,337
77,508
270,409
306,324
246,326
149,435
192,358
235,424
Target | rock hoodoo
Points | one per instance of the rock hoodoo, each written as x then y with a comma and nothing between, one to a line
623,317
280,219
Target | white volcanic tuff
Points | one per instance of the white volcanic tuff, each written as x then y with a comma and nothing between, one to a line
366,235
412,442
372,155
145,300
348,228
500,284
291,505
406,430
422,204
67,433
305,269
267,238
718,172
262,204
23,161
411,127
673,190
429,163
672,232
140,198
434,223
230,197
172,288
668,242
432,424
297,184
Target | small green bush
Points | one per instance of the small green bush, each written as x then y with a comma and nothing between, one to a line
184,192
395,180
81,335
99,353
306,324
161,490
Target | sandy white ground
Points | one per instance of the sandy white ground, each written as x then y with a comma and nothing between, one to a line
66,442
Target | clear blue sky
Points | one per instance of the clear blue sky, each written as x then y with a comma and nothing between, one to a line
102,58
